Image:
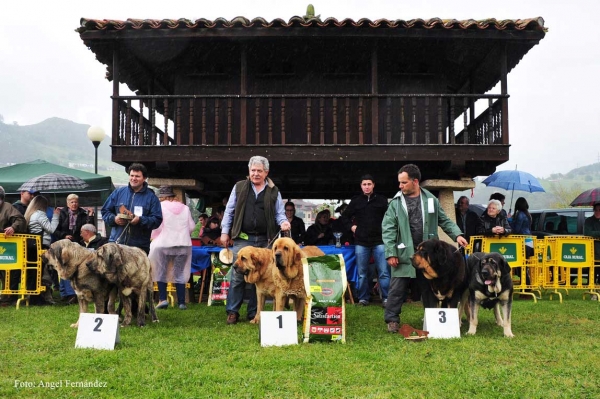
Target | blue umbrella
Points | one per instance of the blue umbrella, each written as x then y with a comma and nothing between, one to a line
514,180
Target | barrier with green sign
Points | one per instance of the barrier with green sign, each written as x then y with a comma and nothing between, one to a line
14,256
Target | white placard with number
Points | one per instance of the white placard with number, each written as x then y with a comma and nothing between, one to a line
442,323
98,331
278,329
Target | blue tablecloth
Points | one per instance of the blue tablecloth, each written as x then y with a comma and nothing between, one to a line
201,258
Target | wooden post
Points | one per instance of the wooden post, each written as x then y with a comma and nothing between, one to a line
374,100
504,91
243,93
115,104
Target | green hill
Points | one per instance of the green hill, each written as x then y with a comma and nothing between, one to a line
59,141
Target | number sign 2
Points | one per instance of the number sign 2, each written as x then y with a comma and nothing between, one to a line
278,329
98,331
442,323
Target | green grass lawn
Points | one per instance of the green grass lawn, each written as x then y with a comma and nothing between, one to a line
194,354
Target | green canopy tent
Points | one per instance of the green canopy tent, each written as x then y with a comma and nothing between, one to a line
12,177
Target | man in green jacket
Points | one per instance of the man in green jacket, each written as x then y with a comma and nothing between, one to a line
413,216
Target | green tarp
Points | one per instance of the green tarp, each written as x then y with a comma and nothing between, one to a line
12,177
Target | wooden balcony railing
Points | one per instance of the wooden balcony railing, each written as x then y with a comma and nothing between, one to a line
228,120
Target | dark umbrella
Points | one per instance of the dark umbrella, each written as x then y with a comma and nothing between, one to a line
587,198
52,182
514,180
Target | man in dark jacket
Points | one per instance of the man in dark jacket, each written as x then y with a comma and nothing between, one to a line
133,211
466,219
89,238
367,211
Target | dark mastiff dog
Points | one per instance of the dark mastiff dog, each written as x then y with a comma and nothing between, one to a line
490,286
444,270
70,260
129,268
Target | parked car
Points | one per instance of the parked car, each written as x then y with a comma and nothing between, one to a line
567,221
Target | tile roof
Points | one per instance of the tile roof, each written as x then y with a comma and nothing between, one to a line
536,24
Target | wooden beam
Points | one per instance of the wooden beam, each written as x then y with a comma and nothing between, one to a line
504,90
115,102
374,101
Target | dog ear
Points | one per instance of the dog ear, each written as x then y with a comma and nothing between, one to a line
503,265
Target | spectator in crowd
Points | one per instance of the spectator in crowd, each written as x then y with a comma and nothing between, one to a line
202,220
11,222
591,228
500,197
413,215
320,233
466,219
26,197
298,229
39,224
253,217
493,222
211,234
219,212
69,226
142,211
90,238
171,242
364,215
521,224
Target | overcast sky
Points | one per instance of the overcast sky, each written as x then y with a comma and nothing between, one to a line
554,111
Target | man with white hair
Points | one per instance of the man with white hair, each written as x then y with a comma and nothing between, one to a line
254,215
89,238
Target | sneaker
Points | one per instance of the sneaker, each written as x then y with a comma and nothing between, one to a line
182,306
594,297
362,302
393,327
162,304
232,318
384,304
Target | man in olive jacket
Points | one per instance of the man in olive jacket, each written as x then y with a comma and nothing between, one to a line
413,216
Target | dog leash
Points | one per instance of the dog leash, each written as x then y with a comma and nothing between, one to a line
123,232
277,235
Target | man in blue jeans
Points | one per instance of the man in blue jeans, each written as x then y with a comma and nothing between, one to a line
254,215
364,215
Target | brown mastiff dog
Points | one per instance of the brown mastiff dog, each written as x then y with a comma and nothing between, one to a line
129,268
288,275
70,260
257,264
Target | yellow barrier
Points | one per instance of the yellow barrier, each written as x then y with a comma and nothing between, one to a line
569,263
170,290
526,272
14,257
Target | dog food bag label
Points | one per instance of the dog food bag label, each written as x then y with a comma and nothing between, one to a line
325,312
219,282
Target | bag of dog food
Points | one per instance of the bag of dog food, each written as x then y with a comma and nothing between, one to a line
325,312
219,282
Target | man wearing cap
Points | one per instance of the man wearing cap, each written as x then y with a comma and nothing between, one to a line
142,206
26,197
254,215
11,222
171,243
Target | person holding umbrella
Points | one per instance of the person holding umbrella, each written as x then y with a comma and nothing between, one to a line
591,228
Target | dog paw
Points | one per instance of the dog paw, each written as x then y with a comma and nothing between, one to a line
75,325
255,321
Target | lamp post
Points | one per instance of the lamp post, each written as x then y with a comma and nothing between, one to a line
96,135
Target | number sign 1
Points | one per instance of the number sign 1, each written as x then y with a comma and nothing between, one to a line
98,331
278,328
442,323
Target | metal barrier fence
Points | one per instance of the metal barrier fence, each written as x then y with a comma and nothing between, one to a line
21,259
557,263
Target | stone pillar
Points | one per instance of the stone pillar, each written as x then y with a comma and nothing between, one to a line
446,190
